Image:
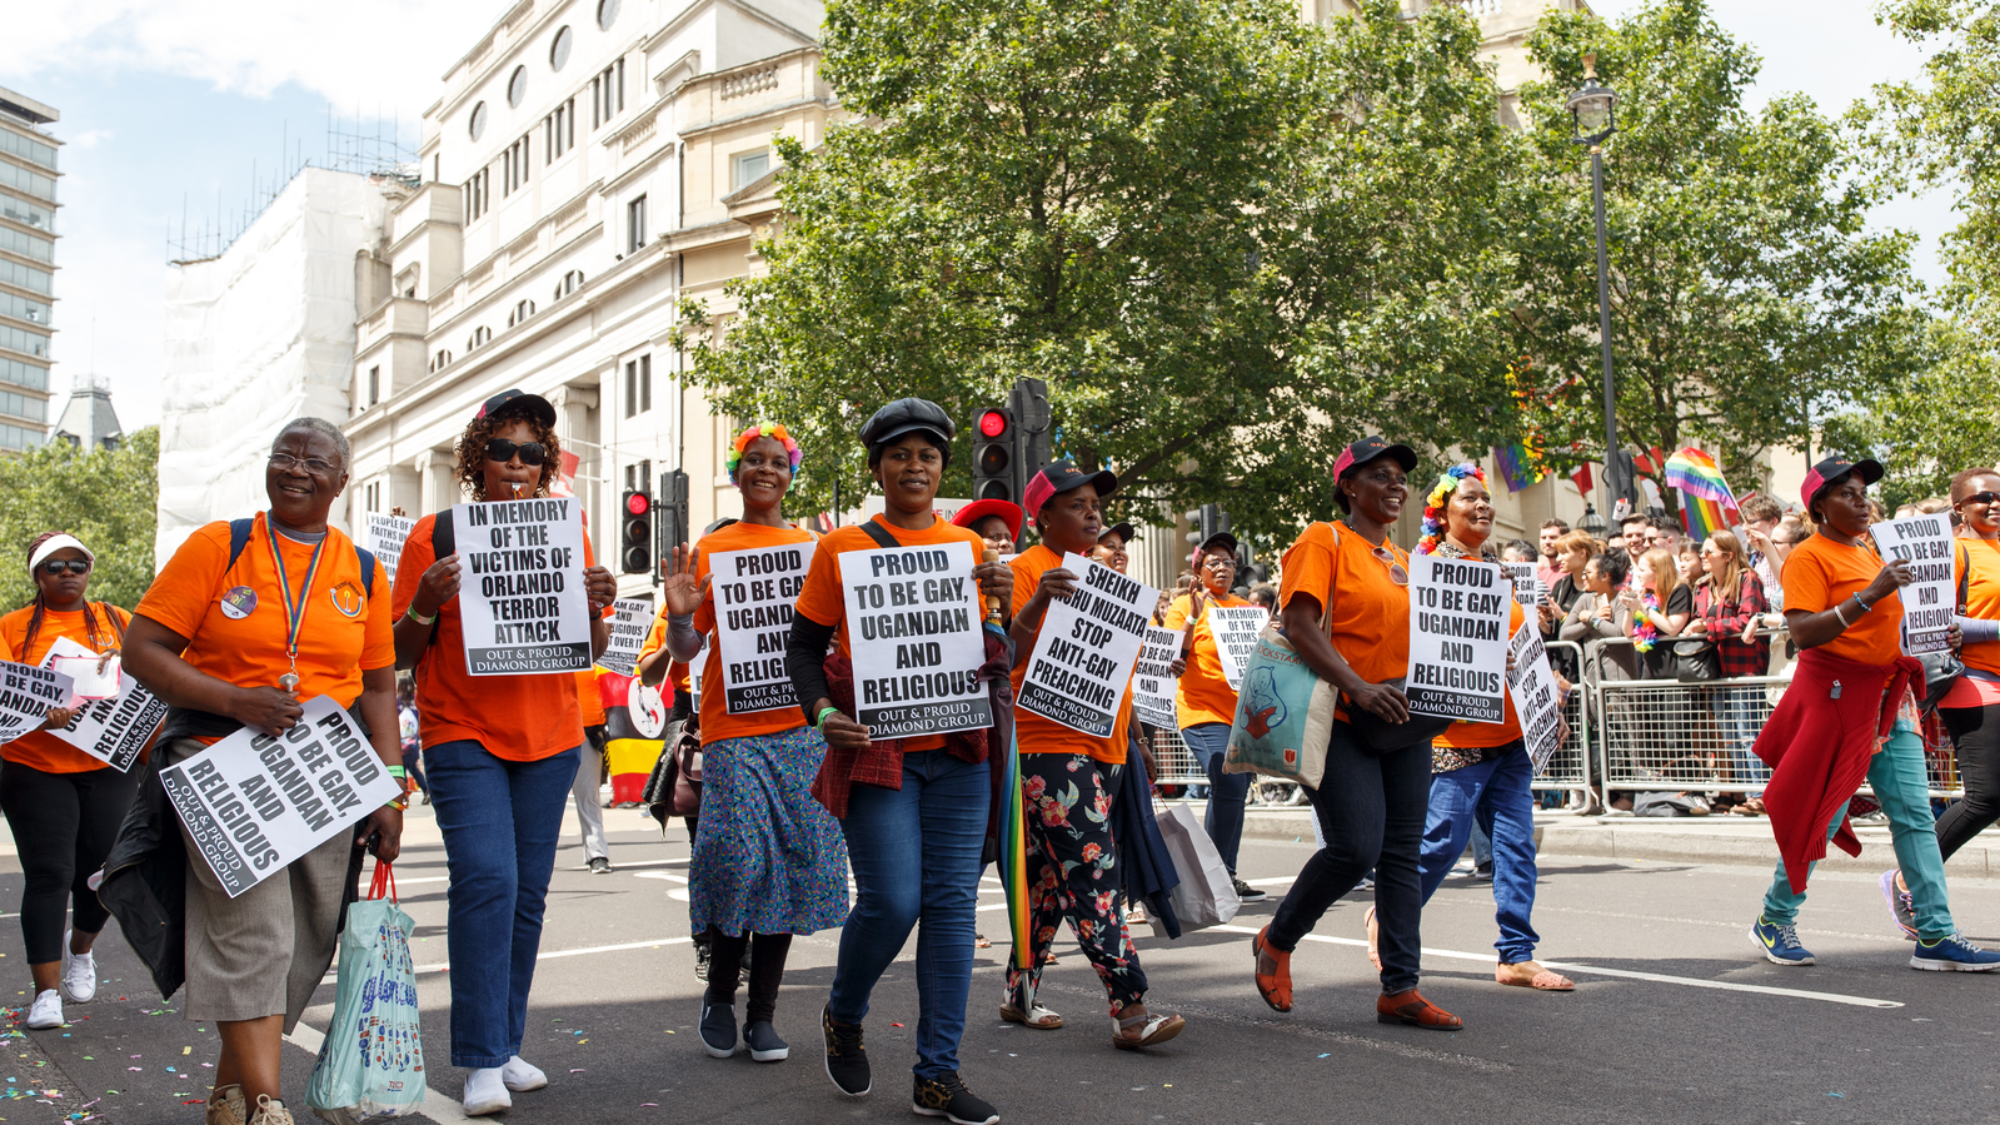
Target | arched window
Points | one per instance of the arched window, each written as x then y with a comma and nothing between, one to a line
440,361
569,283
480,335
522,311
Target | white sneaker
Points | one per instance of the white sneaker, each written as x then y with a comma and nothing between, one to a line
47,1012
486,1092
79,974
520,1075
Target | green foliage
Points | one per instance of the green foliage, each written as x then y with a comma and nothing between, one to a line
109,500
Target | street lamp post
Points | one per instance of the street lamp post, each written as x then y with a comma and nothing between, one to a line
1593,111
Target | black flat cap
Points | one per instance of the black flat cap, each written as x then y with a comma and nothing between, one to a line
908,416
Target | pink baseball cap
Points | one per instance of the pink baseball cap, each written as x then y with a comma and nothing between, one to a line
1369,448
1833,468
1061,477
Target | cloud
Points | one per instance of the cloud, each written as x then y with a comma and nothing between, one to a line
89,138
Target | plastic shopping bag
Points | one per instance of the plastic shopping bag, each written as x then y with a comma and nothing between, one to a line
1206,896
372,1063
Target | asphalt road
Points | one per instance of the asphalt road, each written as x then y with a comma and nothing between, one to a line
1675,1017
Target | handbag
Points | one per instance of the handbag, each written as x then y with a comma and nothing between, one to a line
1284,714
674,788
372,1062
1379,735
1205,896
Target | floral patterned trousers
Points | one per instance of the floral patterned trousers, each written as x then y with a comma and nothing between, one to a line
1073,874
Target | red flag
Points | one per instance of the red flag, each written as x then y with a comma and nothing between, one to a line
1644,463
1659,459
1581,478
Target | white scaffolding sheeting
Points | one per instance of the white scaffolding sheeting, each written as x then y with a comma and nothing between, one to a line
257,337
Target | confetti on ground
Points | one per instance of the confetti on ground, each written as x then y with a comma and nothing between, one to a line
576,1070
1326,1056
187,1050
895,1025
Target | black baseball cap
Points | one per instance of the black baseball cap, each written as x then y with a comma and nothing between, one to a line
1220,539
1122,530
1369,448
1833,468
1060,477
908,416
513,400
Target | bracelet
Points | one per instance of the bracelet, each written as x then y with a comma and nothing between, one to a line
419,618
824,712
1844,622
1865,607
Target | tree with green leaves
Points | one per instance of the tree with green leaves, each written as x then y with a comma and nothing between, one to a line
1750,298
1230,241
109,499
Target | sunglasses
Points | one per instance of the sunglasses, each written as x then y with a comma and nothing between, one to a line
1387,557
60,567
503,451
1979,498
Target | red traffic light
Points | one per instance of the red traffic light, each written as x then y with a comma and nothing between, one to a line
993,423
638,503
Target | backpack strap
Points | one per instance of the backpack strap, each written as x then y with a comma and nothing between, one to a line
879,534
366,558
239,538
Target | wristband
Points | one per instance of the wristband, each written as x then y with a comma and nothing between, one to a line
1844,622
396,771
419,618
824,712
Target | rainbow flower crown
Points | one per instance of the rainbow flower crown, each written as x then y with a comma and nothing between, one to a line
761,429
1432,532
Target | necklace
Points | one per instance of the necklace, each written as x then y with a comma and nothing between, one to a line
295,612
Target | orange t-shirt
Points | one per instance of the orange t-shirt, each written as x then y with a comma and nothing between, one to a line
519,718
1039,735
1204,694
1371,611
40,749
1979,563
823,600
1479,736
1820,574
716,722
242,640
588,701
676,678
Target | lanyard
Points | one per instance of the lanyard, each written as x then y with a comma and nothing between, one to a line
295,613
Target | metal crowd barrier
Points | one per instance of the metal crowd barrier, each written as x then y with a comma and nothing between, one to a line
1570,766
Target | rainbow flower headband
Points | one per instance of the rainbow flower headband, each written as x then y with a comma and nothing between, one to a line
761,429
1447,483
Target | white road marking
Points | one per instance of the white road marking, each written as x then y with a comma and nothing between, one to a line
549,955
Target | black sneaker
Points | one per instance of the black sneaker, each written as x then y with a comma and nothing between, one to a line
762,1040
718,1029
945,1096
846,1058
600,866
1247,893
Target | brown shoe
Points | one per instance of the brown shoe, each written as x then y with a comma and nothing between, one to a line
1412,1009
1275,986
225,1106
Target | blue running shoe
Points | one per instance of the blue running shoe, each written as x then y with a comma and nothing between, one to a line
1780,944
1953,954
1901,908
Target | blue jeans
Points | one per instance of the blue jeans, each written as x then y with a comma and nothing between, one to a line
1494,795
1227,792
915,855
500,821
1897,775
1739,715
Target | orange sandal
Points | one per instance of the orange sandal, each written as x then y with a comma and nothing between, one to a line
1275,987
1410,1008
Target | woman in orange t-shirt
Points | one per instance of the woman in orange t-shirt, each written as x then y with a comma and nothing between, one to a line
768,860
1971,710
1371,802
63,805
501,753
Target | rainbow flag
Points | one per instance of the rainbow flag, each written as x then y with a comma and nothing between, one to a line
1013,862
1707,505
1517,465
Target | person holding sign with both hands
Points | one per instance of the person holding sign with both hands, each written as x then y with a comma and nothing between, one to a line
768,860
238,632
501,750
63,805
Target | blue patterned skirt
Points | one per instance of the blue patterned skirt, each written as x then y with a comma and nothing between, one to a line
768,858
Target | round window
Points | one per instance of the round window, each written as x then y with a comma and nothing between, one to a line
607,14
477,126
517,86
559,50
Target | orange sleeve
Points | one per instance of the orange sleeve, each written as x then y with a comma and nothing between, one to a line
416,558
1307,568
179,595
378,646
1026,578
1806,584
1177,612
704,614
656,637
820,599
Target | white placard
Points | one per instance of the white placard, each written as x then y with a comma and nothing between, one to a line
253,803
112,730
1235,629
914,630
754,591
1153,680
26,695
383,537
1083,656
1459,613
632,620
1537,698
1528,588
1932,596
521,601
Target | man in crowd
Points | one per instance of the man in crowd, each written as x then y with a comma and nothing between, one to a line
1550,567
1663,533
1760,518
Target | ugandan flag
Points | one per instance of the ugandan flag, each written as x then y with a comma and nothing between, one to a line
630,756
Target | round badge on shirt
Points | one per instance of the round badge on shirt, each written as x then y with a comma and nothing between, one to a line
239,602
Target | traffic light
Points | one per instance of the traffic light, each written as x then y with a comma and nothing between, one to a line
1028,402
1206,521
996,456
672,529
635,552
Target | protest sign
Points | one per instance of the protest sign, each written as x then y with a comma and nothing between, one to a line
698,669
1932,596
383,537
1235,629
754,591
26,695
113,730
1459,613
253,803
914,631
632,619
1083,656
1528,588
1537,699
522,603
1153,680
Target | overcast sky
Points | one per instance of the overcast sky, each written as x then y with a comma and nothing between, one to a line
177,107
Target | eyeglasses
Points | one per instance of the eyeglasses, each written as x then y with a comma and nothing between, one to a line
1387,557
59,567
313,465
1219,562
1979,498
503,451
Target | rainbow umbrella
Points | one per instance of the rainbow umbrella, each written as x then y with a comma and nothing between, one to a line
1013,862
1707,504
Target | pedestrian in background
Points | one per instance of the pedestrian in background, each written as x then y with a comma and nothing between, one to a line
590,775
1729,605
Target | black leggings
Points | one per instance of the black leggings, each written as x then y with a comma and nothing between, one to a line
63,825
1975,738
767,968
